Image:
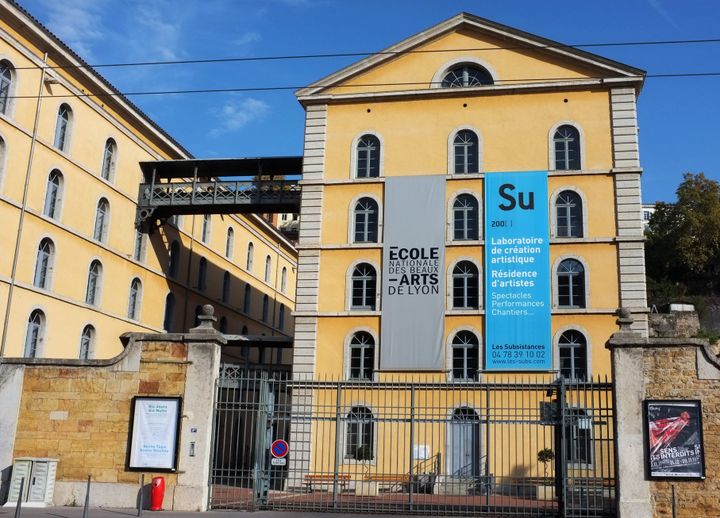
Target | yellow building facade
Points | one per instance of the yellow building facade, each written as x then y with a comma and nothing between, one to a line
520,99
75,274
462,100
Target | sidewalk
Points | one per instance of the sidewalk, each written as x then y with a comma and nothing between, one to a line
76,512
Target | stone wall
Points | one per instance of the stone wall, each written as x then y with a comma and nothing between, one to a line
79,412
672,368
675,324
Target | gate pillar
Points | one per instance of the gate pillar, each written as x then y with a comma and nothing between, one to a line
196,429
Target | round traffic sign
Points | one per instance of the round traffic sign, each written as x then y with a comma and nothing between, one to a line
279,448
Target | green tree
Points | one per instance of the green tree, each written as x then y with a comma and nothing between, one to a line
683,239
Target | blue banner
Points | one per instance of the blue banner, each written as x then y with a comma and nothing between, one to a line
517,272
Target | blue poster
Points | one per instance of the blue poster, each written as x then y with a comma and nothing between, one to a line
517,272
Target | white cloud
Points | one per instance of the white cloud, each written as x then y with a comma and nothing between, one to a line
77,22
159,36
247,38
234,115
658,8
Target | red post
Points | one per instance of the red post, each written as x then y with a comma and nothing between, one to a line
157,493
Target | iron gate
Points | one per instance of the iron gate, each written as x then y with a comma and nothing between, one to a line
508,445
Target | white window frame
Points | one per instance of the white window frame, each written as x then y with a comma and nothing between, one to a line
551,145
42,333
351,220
348,286
348,352
451,151
449,352
354,157
554,283
450,287
135,315
50,270
556,346
436,81
553,213
450,232
65,147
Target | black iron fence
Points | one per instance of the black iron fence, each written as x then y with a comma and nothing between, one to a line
507,445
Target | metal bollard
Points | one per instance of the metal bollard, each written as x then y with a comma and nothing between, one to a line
142,490
18,506
87,499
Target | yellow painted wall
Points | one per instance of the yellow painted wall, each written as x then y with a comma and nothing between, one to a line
513,129
93,122
418,68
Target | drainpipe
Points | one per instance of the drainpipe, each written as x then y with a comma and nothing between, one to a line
23,209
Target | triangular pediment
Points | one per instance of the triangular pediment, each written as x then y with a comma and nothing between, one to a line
511,55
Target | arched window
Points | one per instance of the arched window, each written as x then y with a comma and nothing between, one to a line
205,235
35,334
87,342
365,226
247,299
362,356
466,74
359,436
265,308
249,261
466,149
53,194
174,259
567,148
364,282
571,284
268,268
139,249
283,280
572,347
102,219
368,157
465,356
229,243
6,78
62,127
281,317
223,325
94,281
108,163
202,274
466,221
569,214
226,287
169,316
44,264
465,286
244,330
134,299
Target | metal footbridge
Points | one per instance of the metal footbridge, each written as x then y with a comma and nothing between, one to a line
217,186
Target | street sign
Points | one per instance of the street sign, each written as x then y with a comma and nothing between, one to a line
279,448
278,462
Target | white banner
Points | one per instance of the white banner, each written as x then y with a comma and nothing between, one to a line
154,433
413,274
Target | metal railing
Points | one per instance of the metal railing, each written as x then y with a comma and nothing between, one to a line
237,196
415,446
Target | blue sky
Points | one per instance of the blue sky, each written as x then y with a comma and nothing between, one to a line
678,118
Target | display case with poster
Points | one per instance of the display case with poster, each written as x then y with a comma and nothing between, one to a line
674,439
154,433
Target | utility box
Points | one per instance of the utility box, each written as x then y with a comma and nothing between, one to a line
39,475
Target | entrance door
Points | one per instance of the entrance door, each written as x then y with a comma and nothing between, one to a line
465,443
